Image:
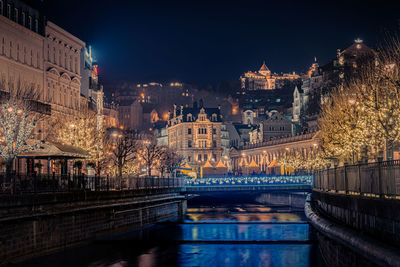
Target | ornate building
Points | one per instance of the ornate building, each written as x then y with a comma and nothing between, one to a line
274,126
264,79
196,134
63,74
264,157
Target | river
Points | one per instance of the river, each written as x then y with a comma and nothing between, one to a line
214,232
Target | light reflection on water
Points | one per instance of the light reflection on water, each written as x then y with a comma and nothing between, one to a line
217,236
242,217
244,255
244,232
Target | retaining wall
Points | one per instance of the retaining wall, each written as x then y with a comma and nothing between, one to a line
58,226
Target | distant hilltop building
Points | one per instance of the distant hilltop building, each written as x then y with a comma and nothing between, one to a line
264,79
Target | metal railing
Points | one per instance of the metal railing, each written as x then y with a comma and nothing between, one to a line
253,181
20,184
380,179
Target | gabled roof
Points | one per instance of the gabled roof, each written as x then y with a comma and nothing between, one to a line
253,164
358,49
264,67
196,111
220,165
208,165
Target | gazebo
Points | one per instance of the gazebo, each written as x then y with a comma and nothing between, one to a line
53,151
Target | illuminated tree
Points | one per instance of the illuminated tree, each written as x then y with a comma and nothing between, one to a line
82,131
18,121
124,151
151,153
364,115
169,161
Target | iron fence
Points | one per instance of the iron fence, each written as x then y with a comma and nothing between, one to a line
380,179
18,183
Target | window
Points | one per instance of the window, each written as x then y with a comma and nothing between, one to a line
10,49
189,158
214,157
189,143
189,130
205,157
30,22
16,15
199,157
36,25
9,11
17,52
214,143
214,131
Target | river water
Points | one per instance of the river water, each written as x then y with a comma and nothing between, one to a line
214,233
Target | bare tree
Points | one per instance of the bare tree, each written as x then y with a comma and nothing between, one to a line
151,153
173,161
19,116
124,149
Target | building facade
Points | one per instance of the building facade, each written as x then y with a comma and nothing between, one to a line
266,155
62,70
264,79
195,133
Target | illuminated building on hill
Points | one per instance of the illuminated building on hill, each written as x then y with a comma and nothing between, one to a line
264,79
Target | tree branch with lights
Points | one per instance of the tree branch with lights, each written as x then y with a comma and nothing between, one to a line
18,121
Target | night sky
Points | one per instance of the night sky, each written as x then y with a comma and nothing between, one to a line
211,41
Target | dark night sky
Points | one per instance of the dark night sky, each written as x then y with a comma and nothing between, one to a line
208,41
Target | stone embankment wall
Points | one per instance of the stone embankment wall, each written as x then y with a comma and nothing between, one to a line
49,225
379,218
355,231
292,199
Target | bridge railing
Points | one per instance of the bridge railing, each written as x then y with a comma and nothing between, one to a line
20,184
380,179
251,181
